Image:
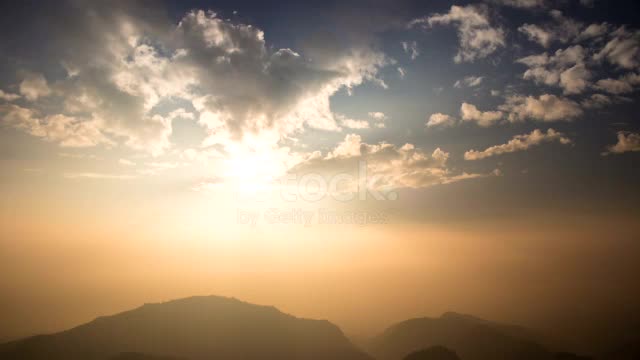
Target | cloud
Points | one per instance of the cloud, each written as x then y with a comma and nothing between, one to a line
402,72
478,38
523,4
470,112
546,107
253,91
440,120
626,142
34,86
379,118
537,34
377,115
201,156
560,29
622,50
388,166
64,130
622,85
125,64
594,31
272,94
126,162
566,69
98,176
411,48
519,143
8,96
354,124
588,3
596,101
575,79
469,81
79,156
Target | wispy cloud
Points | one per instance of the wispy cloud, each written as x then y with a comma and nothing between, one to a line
93,175
519,143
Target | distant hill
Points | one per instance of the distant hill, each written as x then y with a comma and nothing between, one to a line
568,356
138,356
626,351
193,328
471,338
433,353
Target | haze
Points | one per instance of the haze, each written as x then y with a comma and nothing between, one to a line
152,151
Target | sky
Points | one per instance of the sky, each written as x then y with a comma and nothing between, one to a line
364,162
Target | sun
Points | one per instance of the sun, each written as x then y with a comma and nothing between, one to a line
253,171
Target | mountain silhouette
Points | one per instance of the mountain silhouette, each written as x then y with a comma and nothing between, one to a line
138,356
193,328
569,356
626,351
471,338
433,353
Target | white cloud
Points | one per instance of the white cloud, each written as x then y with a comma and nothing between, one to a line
537,34
596,101
8,96
240,86
519,143
388,166
560,29
469,81
411,48
377,115
626,142
523,4
79,156
64,130
622,85
98,176
594,31
470,112
478,38
34,86
545,108
575,79
402,72
201,156
354,124
126,162
440,120
566,69
622,50
379,118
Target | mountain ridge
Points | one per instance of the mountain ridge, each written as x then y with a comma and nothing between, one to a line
470,337
199,327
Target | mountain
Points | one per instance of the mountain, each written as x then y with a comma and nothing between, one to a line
433,353
568,356
193,328
138,356
471,338
626,351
